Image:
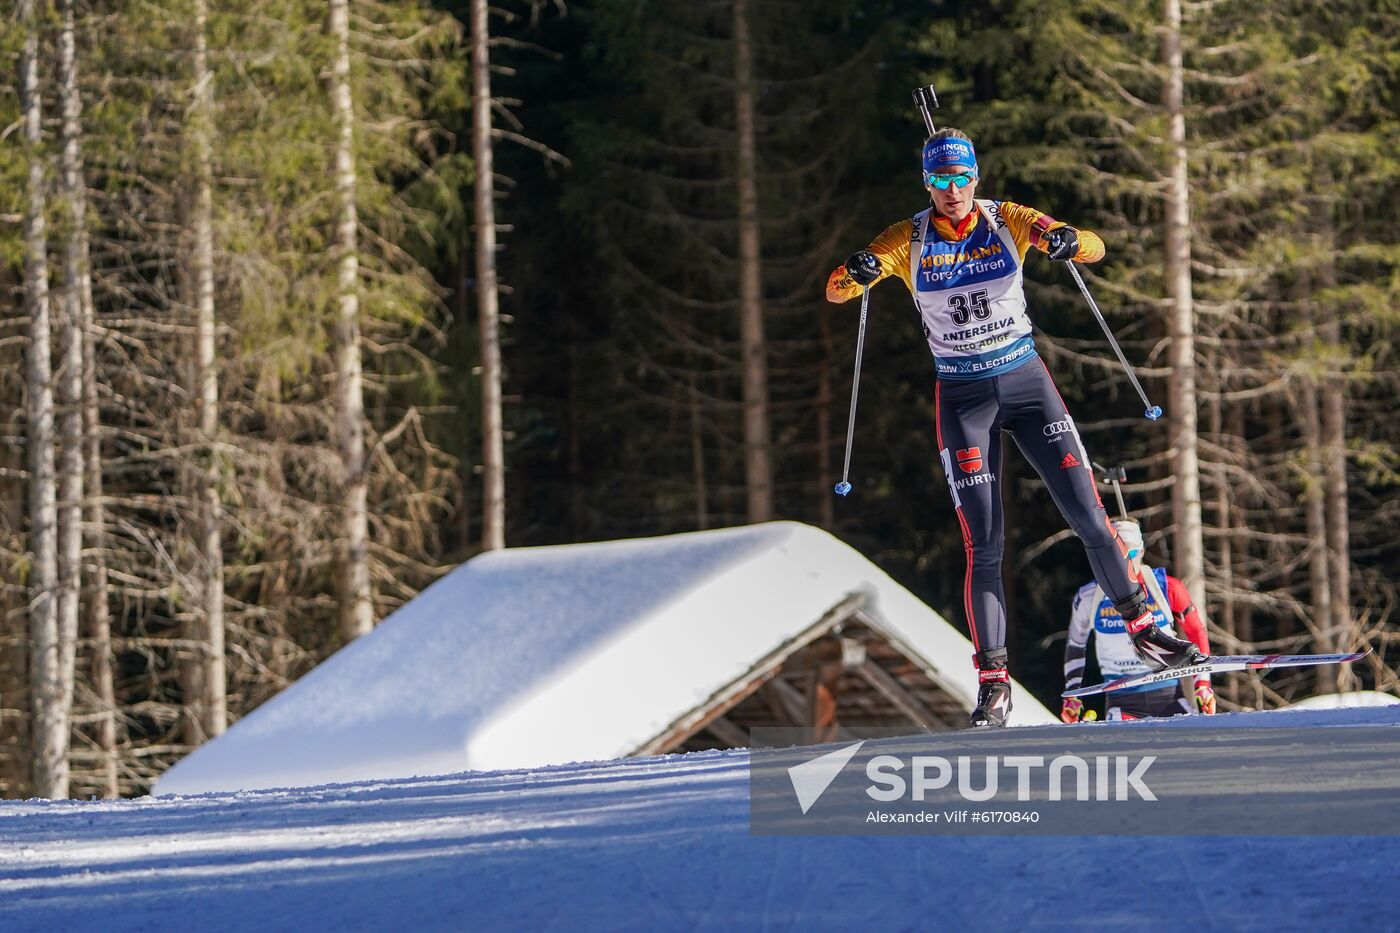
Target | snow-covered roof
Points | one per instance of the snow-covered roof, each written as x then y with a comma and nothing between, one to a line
1358,698
535,656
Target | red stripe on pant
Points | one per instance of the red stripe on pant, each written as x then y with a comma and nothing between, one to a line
962,522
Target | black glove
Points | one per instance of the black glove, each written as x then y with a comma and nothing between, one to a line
863,267
1062,244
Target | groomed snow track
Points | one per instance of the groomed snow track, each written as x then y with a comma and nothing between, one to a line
646,844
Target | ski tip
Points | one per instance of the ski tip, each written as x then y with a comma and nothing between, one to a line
843,488
1154,412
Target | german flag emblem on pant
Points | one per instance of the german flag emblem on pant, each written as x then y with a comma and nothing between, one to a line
970,459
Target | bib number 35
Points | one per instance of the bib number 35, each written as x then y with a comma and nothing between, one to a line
966,307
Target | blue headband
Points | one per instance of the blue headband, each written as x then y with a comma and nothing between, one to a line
943,153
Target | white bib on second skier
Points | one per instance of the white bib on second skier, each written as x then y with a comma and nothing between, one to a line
1112,646
970,297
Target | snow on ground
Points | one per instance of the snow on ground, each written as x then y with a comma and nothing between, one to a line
644,844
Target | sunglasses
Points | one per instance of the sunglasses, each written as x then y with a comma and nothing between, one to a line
944,182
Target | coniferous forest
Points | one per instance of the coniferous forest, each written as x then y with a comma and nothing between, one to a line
302,304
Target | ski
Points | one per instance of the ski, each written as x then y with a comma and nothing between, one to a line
1217,664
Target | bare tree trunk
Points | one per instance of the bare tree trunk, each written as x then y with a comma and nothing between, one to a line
189,655
1216,429
70,372
1334,453
356,604
493,479
1227,582
466,463
208,715
99,623
1239,550
1189,556
1225,618
1242,612
758,469
1272,443
81,416
49,725
1314,510
99,617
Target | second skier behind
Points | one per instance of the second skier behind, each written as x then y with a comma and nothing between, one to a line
1093,613
961,260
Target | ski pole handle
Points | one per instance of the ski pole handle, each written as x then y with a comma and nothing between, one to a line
927,102
843,488
1153,412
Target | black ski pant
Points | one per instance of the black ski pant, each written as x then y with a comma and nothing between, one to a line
1025,402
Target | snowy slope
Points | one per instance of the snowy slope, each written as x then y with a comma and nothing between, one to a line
535,656
645,844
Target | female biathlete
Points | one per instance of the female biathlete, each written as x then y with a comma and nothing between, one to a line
962,260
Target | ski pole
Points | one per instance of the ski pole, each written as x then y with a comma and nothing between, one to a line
927,102
843,488
1113,476
1153,412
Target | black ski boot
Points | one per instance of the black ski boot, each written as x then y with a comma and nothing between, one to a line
1155,647
993,690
